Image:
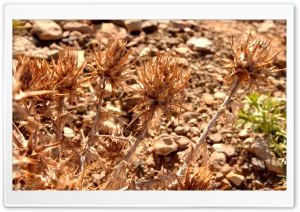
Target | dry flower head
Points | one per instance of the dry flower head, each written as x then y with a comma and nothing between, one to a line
161,85
251,63
111,64
66,73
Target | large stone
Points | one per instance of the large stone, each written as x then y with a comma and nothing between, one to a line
215,138
199,44
258,164
229,151
236,179
182,142
164,146
47,30
179,130
149,26
259,148
189,115
112,29
208,99
217,160
80,27
133,25
182,50
244,133
225,169
219,147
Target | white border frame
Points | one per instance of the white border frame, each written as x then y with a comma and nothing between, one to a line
147,198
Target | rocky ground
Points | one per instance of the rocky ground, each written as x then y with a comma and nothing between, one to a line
241,159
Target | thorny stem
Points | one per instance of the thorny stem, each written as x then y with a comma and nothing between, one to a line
142,132
96,121
93,133
203,136
119,169
56,125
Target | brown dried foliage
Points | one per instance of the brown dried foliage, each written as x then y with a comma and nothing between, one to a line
45,157
111,64
251,63
161,85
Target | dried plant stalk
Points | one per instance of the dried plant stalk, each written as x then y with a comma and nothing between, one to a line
251,64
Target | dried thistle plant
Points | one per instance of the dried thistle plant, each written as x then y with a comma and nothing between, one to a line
251,63
39,91
66,74
161,86
31,79
44,158
111,64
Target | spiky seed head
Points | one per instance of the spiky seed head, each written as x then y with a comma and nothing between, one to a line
251,63
32,74
67,74
111,64
161,85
